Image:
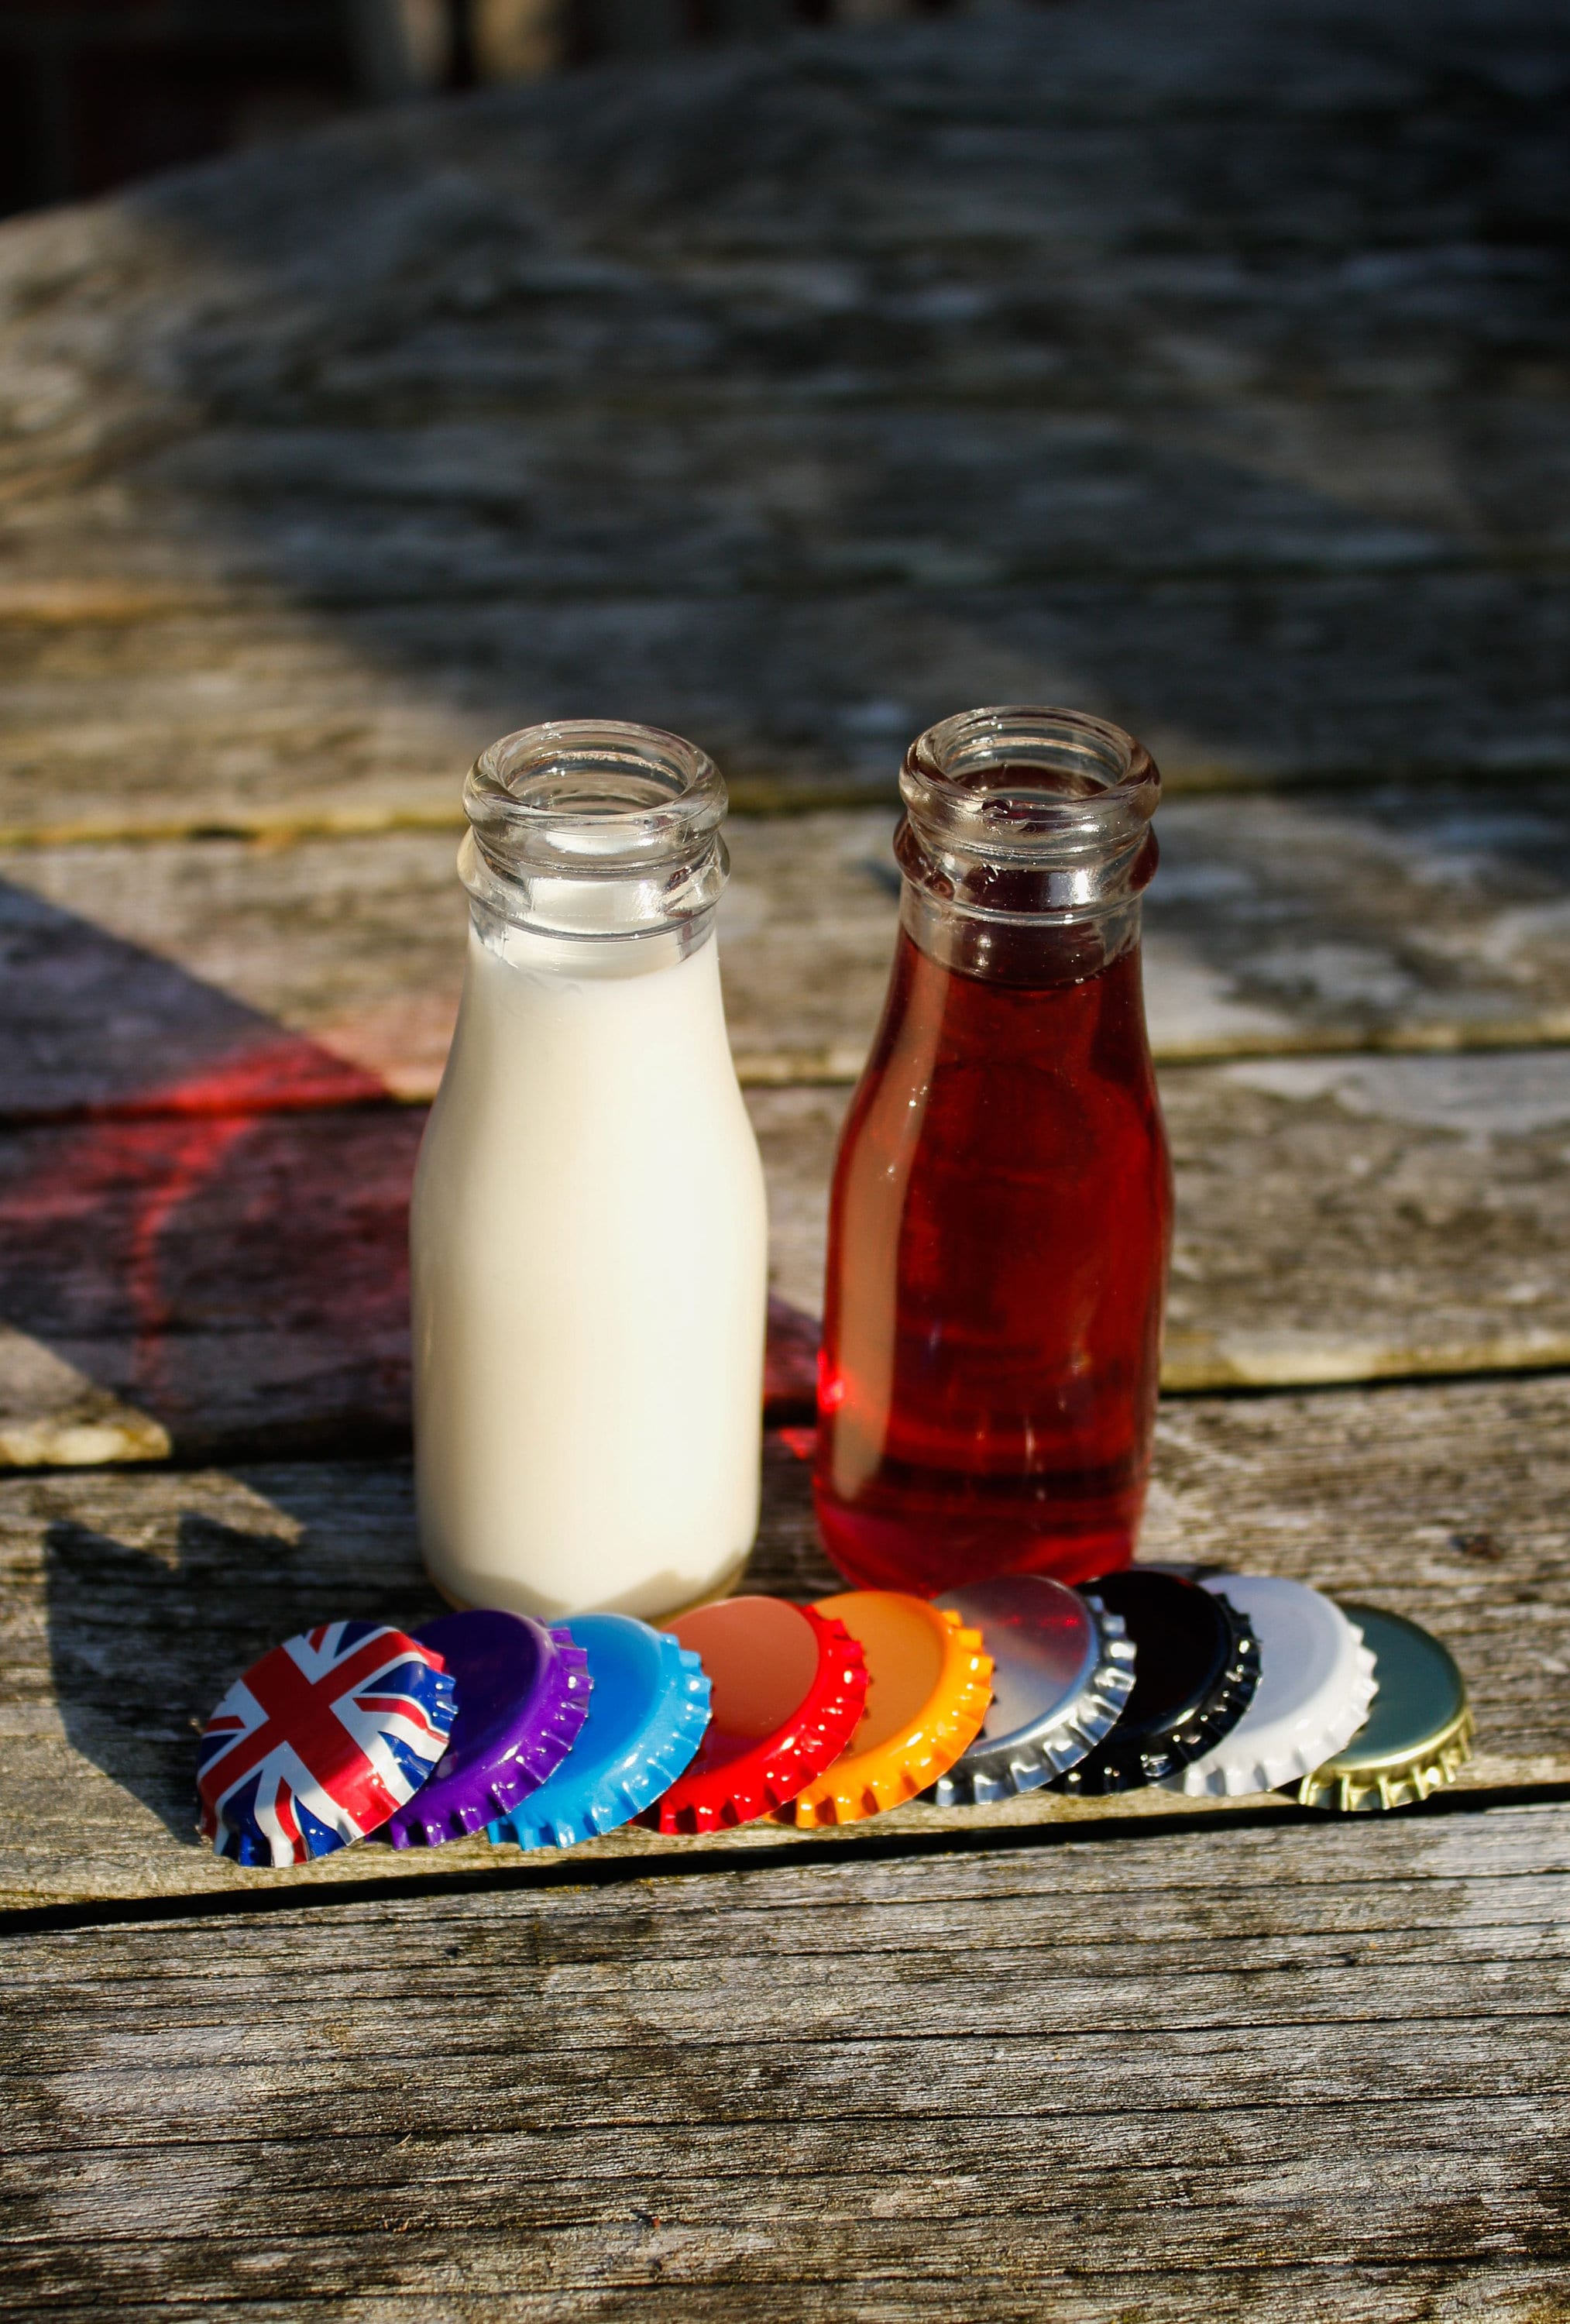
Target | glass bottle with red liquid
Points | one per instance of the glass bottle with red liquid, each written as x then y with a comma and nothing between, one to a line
1001,1215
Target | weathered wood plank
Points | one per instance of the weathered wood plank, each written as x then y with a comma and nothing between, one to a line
192,973
1225,394
592,230
358,720
1267,2073
234,1284
925,489
128,1600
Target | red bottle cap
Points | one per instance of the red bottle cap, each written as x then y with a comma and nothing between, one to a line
789,1687
931,1683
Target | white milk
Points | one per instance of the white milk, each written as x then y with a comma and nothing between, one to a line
590,1250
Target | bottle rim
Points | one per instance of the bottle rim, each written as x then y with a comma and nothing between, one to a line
1027,782
593,798
596,828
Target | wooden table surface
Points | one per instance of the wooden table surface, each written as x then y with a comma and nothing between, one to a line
1202,364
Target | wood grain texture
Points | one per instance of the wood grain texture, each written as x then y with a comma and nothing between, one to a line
181,976
128,1602
795,397
234,1283
1279,2074
358,720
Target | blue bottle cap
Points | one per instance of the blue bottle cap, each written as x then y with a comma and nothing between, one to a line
647,1710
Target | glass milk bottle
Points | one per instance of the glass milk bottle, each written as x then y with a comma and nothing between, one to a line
588,1237
1000,1219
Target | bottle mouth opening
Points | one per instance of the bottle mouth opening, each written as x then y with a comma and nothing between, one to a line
1021,779
592,795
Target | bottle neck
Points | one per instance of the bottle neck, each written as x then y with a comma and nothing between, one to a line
1010,949
1025,843
537,949
595,834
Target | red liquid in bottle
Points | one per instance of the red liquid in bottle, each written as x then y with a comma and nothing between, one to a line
998,1247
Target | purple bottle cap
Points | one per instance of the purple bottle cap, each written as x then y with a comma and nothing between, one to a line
523,1694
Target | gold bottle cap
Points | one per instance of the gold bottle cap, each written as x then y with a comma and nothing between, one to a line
1416,1737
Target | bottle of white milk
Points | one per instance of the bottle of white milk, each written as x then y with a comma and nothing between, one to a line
588,1237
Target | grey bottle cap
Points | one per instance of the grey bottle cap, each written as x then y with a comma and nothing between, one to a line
1062,1671
1419,1733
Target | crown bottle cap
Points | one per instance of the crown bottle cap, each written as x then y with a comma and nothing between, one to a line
523,1694
646,1715
1062,1671
1417,1735
788,1689
1317,1681
1195,1669
319,1741
929,1683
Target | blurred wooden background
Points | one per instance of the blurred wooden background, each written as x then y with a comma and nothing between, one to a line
94,93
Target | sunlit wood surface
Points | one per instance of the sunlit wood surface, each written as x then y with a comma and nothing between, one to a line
1204,367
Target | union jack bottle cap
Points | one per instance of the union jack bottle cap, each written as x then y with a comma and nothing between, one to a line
320,1741
523,1694
646,1717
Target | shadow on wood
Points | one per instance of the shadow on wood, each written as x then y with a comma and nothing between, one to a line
147,1627
793,398
179,1230
214,1254
145,1036
145,1637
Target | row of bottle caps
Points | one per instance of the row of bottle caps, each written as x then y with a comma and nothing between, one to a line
1206,1683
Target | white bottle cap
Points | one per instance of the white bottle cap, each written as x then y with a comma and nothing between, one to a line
1317,1681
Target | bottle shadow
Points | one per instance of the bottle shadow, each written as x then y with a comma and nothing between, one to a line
215,1235
208,1234
113,1028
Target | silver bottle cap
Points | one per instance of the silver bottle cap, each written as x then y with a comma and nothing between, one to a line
1062,1671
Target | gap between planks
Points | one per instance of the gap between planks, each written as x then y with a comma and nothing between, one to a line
750,795
762,797
888,1839
840,1068
119,1437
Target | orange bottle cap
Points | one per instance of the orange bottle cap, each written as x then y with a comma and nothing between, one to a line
929,1683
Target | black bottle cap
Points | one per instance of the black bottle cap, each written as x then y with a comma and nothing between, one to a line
1195,1668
